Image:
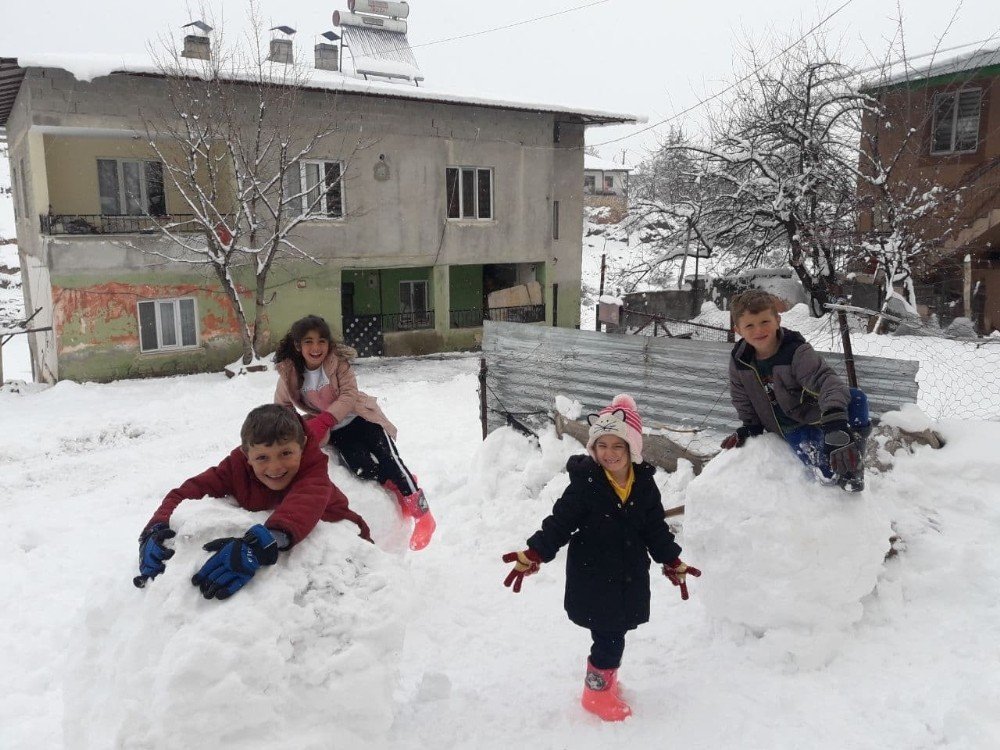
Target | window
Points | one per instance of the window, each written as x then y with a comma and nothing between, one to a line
319,190
13,191
469,192
412,304
609,183
167,324
956,122
589,184
131,187
555,220
25,206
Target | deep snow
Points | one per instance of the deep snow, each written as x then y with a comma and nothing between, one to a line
797,635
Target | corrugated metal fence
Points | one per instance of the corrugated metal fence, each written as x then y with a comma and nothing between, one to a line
676,382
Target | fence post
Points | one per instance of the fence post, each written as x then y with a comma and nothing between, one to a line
845,335
482,394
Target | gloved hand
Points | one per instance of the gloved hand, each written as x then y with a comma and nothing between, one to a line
678,572
843,455
741,435
526,563
234,562
153,553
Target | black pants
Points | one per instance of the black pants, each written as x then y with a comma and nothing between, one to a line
608,647
370,453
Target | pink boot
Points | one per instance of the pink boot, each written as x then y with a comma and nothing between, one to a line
415,506
601,695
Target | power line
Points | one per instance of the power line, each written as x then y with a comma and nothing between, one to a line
731,86
510,25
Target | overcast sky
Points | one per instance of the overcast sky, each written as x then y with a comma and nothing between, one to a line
650,57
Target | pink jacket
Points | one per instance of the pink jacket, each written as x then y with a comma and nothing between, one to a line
341,393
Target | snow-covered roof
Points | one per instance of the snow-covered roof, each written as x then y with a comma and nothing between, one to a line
597,164
89,67
921,71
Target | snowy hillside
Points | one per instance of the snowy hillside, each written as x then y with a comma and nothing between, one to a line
798,635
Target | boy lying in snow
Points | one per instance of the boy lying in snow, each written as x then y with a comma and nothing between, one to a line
278,467
778,383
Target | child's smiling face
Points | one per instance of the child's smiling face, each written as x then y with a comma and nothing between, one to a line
275,465
314,349
612,454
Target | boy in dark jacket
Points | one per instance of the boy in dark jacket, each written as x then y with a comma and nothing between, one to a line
612,517
278,467
779,384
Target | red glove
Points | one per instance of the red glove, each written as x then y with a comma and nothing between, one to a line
526,563
677,572
318,426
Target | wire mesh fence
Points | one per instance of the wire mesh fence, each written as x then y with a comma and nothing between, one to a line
959,373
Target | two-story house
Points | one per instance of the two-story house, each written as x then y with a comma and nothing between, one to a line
454,197
944,122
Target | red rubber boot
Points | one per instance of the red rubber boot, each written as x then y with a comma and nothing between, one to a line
601,696
415,505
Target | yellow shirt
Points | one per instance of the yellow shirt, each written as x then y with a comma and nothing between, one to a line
622,491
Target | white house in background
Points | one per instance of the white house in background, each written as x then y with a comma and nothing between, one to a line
605,185
604,177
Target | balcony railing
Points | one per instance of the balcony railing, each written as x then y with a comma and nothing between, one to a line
474,317
408,321
115,224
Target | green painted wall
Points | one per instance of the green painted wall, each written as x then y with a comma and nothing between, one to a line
465,284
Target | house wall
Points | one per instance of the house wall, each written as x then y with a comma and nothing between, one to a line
910,107
62,126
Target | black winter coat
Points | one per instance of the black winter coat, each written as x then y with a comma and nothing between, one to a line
610,543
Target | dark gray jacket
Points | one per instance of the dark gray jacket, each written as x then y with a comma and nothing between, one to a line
804,385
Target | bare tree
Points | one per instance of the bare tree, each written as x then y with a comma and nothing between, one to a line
232,135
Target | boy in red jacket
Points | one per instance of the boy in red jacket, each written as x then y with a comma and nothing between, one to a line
278,467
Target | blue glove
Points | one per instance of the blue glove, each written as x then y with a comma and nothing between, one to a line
152,552
234,562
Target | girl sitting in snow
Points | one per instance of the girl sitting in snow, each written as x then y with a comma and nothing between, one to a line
315,375
612,517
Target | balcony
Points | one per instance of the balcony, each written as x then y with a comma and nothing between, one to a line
61,224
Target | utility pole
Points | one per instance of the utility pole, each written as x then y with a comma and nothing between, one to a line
600,293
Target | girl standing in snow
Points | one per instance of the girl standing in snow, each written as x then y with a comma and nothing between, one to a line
315,375
612,517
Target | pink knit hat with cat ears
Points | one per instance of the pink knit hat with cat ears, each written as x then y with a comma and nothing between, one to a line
621,419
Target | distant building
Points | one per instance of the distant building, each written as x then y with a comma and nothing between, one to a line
605,185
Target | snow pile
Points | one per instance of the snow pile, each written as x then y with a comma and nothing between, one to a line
304,656
784,557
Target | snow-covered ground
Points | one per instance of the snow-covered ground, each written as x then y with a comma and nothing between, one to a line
798,635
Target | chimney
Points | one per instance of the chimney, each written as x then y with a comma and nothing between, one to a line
281,47
281,51
327,56
197,46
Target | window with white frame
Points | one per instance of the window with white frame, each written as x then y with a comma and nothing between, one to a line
131,187
413,310
956,122
166,324
319,189
469,192
609,183
589,184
